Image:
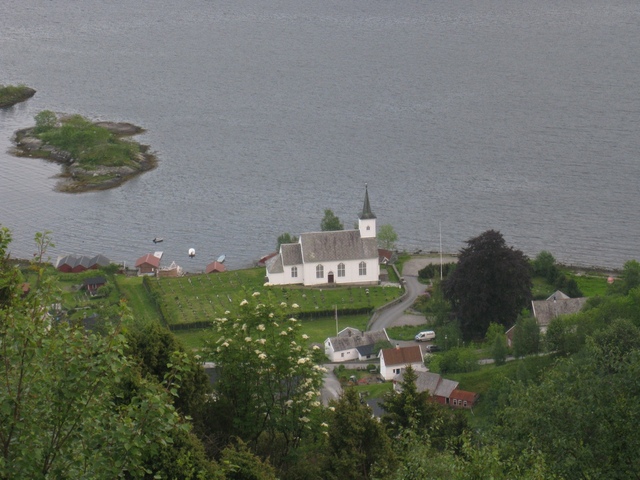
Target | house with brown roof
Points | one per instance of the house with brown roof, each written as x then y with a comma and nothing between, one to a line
326,258
215,267
149,264
441,390
352,344
393,361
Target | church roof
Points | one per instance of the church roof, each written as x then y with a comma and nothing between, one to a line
291,254
337,245
366,208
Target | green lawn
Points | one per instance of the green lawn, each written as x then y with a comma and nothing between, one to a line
197,298
591,285
406,332
138,300
317,329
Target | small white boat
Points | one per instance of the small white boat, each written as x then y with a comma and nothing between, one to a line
221,258
192,252
158,240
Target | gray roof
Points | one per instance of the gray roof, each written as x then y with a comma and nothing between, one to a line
433,383
274,264
336,246
366,350
87,262
546,310
367,338
291,254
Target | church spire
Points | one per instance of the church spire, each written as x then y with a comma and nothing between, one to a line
366,214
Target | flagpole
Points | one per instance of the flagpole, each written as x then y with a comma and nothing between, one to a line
440,228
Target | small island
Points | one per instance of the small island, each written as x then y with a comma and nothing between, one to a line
12,94
93,155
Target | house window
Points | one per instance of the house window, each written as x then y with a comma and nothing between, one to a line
341,269
465,403
342,354
397,370
455,401
294,272
363,268
319,271
368,227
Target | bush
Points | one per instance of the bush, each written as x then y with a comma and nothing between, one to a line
433,270
458,360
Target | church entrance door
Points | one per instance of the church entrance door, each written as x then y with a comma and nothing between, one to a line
330,277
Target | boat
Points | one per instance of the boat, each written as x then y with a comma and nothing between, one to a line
158,240
221,258
192,252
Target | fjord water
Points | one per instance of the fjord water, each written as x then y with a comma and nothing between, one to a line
460,115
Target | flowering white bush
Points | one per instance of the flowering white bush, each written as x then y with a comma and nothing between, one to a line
274,388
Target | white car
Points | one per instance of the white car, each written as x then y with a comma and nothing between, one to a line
425,336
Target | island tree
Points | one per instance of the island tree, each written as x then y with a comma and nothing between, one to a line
491,283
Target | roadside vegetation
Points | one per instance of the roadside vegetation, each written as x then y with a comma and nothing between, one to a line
12,94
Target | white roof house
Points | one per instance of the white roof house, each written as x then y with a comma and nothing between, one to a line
337,257
355,345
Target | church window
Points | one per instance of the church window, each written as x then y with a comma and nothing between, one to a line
341,269
363,268
294,272
319,271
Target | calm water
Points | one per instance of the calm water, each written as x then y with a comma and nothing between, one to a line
518,116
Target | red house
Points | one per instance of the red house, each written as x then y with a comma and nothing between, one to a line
80,263
148,264
215,267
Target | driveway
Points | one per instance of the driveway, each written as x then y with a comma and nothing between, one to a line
400,313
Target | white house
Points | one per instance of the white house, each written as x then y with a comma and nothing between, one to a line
352,344
339,257
393,361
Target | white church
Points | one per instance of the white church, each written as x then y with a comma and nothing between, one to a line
344,257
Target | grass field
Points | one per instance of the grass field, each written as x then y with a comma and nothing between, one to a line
317,329
195,298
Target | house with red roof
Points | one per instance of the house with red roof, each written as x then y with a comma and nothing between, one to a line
215,267
149,264
393,361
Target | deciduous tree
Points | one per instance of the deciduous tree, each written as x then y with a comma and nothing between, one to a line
268,386
65,411
285,238
330,222
492,283
387,237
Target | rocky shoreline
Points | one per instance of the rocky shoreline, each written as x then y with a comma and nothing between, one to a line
75,178
25,95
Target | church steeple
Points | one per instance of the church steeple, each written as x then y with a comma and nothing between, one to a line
367,219
366,208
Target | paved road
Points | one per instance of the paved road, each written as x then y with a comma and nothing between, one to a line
400,314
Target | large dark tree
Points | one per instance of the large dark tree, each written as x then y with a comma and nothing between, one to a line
492,283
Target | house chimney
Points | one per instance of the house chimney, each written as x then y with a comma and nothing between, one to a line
397,346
